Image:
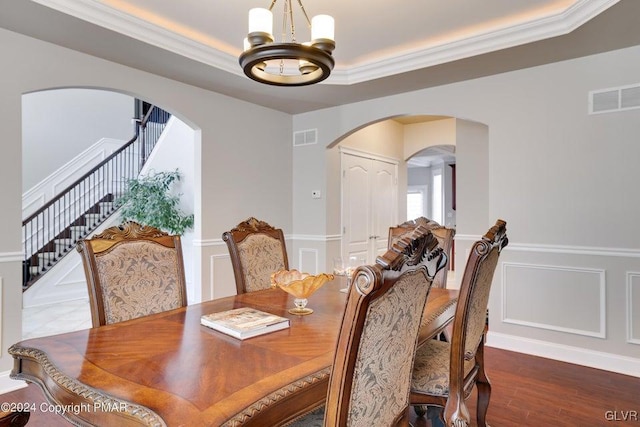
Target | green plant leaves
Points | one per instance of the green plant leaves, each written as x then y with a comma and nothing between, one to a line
148,201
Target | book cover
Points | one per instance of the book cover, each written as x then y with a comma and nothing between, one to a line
244,322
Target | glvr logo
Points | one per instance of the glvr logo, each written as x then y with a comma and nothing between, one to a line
621,416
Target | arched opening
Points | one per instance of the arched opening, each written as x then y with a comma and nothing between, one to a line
457,147
66,132
431,184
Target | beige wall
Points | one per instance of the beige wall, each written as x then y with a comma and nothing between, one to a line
563,179
418,136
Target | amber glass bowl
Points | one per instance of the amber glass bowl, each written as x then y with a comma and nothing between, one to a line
300,285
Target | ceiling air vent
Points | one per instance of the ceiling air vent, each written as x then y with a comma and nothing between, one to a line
305,137
614,99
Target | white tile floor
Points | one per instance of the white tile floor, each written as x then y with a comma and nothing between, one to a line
55,319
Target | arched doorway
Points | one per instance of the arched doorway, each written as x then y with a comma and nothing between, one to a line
66,132
431,184
405,138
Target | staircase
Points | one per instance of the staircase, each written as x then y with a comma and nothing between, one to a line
53,231
49,254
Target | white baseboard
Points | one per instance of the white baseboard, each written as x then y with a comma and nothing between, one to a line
564,353
7,384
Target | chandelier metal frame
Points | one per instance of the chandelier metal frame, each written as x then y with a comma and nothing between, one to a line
315,58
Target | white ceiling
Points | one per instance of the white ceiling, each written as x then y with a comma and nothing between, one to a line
382,47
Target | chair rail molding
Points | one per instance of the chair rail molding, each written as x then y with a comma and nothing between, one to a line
302,237
315,237
11,256
560,249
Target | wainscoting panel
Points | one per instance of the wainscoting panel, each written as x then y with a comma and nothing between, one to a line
308,260
222,283
558,298
633,308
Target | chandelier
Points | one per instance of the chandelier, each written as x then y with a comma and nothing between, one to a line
287,63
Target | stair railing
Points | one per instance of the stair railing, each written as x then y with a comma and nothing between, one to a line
55,228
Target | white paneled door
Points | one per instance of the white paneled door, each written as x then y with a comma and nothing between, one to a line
369,205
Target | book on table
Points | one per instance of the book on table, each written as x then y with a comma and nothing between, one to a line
244,322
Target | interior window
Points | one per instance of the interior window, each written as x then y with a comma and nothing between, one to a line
415,203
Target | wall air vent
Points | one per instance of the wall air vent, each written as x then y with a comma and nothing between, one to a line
305,137
614,99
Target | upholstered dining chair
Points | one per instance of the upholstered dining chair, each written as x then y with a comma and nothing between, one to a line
371,372
257,250
445,373
444,235
132,271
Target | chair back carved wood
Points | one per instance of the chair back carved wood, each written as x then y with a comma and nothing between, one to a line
445,372
257,250
132,271
371,373
444,235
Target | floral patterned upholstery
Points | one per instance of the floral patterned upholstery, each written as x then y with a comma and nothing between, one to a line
257,250
132,270
138,278
260,256
371,374
383,366
431,368
432,364
445,373
479,300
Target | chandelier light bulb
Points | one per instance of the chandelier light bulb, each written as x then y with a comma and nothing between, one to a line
322,27
261,21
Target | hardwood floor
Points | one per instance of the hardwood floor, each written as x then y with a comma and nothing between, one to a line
526,391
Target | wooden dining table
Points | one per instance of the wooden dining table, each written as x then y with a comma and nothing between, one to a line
169,370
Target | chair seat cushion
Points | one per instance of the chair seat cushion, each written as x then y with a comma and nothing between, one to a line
431,369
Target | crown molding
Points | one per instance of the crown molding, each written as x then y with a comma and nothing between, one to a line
562,23
113,19
539,29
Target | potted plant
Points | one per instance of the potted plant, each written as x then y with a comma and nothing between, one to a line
148,200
